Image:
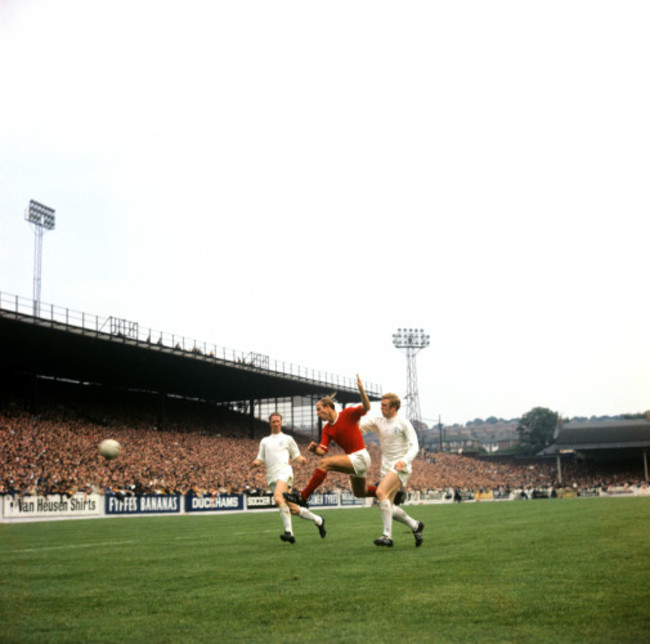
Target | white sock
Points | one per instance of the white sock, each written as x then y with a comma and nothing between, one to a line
285,513
306,514
402,517
385,508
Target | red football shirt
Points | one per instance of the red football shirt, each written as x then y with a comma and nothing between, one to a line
345,431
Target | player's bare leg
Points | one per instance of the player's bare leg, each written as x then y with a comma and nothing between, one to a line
358,486
338,463
388,487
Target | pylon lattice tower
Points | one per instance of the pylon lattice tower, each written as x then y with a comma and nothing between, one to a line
411,342
42,218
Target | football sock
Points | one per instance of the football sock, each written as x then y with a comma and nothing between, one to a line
371,490
317,478
306,514
285,513
402,517
385,508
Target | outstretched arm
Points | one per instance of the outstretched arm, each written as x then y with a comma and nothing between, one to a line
364,398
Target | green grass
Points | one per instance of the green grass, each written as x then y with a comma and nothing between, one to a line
574,570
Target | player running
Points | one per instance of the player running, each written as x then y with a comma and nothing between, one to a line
276,450
399,446
342,428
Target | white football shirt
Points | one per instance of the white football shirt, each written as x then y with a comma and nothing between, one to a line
275,452
397,438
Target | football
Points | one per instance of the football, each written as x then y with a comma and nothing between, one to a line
109,448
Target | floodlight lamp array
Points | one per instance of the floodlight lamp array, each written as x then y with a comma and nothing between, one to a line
40,215
410,339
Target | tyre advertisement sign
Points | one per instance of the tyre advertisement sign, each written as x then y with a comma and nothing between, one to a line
324,500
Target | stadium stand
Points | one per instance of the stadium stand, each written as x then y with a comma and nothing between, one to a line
62,391
608,443
209,451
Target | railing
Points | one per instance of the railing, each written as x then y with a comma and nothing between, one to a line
128,331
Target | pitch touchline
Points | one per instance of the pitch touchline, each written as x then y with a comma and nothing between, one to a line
74,545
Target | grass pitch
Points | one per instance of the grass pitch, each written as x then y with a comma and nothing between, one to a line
574,570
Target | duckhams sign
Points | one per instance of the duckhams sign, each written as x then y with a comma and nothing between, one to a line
214,503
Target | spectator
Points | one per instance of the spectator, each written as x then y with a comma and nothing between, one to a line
209,453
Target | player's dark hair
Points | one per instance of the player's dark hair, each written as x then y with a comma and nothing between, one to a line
275,413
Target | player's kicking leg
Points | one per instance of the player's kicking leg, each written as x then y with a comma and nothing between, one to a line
339,463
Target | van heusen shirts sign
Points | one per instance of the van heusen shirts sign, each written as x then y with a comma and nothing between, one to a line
53,505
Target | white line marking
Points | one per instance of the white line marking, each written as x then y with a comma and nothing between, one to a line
237,534
74,545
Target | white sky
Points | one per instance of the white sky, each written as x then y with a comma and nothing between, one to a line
300,179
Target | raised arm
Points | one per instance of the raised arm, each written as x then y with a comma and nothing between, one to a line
364,398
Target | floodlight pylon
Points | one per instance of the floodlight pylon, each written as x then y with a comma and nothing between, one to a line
411,342
42,218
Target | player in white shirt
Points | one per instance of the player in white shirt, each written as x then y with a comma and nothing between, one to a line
399,446
276,451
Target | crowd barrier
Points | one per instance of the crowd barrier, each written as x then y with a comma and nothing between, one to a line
14,508
84,506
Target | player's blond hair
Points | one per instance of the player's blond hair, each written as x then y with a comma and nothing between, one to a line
275,413
328,401
393,400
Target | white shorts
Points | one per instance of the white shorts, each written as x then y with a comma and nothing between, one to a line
403,476
282,473
360,463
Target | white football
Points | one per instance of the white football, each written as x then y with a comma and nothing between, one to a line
109,448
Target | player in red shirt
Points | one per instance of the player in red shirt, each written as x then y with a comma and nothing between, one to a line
343,429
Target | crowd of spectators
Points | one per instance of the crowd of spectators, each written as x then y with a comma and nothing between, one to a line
56,452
